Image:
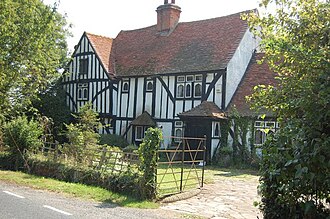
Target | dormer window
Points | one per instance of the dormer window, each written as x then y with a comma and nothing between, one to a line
83,66
125,87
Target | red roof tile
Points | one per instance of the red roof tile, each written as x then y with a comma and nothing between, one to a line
204,110
256,74
192,46
102,46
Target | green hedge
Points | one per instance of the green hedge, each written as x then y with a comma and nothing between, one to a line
124,183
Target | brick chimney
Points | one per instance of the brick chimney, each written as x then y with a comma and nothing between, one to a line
168,16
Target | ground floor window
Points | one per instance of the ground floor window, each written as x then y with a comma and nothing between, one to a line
139,132
262,129
178,131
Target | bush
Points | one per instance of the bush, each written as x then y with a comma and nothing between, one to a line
126,183
113,140
21,136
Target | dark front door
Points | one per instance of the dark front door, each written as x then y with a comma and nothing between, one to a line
199,128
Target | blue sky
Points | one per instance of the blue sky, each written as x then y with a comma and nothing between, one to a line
108,17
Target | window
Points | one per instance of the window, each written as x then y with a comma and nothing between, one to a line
189,86
188,90
181,79
217,129
139,133
83,66
189,78
198,77
262,130
178,131
198,90
150,86
125,87
82,91
180,91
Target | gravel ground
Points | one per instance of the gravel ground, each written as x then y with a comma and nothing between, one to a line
226,198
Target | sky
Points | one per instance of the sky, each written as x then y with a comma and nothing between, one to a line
108,17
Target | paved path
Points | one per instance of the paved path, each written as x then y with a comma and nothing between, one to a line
226,198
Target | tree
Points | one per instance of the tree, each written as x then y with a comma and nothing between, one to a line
82,135
295,172
51,103
32,49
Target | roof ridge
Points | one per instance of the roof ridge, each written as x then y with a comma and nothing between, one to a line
97,35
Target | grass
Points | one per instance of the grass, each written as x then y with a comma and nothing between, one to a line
168,185
74,190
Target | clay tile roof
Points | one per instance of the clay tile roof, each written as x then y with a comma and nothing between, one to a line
144,120
192,46
206,110
256,74
102,46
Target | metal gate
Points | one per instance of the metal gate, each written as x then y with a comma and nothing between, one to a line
181,165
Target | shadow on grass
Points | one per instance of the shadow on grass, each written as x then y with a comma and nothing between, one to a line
232,172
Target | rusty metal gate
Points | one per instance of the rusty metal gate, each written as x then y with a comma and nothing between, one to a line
181,165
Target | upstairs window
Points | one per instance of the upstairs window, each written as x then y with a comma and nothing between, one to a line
150,86
198,90
125,87
189,86
83,66
180,91
82,91
188,90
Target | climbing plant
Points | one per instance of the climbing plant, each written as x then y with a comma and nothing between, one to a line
148,158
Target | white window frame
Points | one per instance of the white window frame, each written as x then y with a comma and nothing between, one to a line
123,86
147,87
197,78
197,96
82,88
183,90
189,78
143,130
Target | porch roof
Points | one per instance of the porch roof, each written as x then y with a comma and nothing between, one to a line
144,120
204,110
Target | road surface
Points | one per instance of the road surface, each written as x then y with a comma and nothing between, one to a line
22,202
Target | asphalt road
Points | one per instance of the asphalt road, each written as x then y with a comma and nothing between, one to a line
22,202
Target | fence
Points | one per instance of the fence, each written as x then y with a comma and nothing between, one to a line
181,166
104,159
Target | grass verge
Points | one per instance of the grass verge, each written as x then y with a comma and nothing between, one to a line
74,190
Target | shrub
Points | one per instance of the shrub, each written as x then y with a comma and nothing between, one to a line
148,158
113,140
21,136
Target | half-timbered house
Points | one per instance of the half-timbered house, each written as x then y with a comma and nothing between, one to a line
180,76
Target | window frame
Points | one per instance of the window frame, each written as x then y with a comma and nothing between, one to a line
82,92
142,132
125,82
83,66
147,86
